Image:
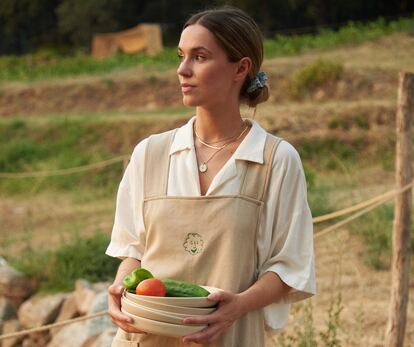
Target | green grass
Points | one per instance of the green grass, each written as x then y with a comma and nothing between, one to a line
48,64
57,270
319,199
316,74
32,67
375,228
346,123
64,141
331,153
350,34
26,146
53,142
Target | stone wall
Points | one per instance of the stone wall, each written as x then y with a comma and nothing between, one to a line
21,308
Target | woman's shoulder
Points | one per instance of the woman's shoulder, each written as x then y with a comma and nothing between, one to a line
139,150
286,155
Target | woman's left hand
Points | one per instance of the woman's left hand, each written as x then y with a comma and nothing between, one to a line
228,311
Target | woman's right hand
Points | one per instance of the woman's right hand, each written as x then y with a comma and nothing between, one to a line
114,309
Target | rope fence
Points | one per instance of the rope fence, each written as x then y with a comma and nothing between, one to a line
359,209
123,158
59,172
363,207
53,325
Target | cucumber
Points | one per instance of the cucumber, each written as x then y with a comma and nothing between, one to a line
184,289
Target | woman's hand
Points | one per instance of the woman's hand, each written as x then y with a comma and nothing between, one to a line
114,309
229,309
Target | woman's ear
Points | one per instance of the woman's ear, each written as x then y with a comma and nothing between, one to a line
243,68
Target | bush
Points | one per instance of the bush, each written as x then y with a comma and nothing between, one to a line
57,270
317,74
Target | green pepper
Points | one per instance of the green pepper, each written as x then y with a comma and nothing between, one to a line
131,281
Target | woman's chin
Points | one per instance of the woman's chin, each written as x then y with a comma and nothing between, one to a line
188,101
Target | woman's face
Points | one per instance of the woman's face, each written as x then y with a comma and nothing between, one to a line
211,78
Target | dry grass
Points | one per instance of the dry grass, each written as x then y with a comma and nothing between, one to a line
393,53
48,220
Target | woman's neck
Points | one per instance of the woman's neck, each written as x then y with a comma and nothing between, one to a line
215,125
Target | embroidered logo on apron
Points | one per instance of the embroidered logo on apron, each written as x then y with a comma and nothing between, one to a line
193,243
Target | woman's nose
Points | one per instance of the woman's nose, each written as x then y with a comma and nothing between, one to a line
184,69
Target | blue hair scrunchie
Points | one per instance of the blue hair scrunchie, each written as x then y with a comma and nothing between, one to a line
258,82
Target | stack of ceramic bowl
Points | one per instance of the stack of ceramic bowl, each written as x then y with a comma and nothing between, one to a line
164,315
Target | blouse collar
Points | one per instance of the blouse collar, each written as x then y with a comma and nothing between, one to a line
251,148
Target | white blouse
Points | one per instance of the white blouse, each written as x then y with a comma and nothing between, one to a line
285,235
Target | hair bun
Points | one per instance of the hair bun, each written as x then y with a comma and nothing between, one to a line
258,96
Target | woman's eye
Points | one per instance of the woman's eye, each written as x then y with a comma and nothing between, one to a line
196,57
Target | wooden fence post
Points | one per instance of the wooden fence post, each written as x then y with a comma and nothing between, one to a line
394,335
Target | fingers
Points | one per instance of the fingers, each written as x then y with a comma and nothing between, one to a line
114,309
209,334
221,295
115,289
207,319
114,304
117,315
123,321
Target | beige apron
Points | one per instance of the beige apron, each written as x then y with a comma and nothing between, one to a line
209,240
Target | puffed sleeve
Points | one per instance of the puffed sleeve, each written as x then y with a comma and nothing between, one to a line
128,232
286,240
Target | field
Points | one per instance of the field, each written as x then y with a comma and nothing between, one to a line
343,126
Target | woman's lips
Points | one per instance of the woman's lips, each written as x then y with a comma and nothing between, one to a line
186,88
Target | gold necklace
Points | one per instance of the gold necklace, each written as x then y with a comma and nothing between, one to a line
219,147
203,166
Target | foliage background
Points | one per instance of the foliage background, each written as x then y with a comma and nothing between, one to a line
30,25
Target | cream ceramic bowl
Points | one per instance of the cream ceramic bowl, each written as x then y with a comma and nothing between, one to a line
154,304
179,301
145,312
162,328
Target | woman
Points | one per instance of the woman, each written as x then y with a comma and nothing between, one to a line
220,180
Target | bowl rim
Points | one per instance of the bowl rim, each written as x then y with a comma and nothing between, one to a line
132,303
163,325
204,302
193,311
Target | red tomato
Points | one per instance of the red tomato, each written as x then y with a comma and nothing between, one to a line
151,287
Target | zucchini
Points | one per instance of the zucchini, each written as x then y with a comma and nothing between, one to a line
184,289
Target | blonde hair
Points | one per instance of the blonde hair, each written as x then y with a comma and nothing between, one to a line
240,36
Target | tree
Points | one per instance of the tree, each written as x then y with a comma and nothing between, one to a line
27,24
80,19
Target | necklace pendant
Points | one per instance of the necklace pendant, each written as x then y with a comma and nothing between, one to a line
202,167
